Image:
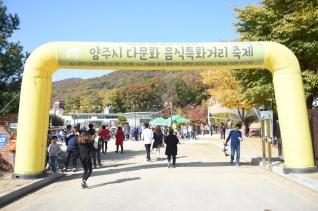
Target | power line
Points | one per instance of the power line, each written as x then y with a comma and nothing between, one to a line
9,102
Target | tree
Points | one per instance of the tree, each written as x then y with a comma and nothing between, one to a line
122,120
310,86
255,86
115,99
139,97
72,104
91,103
226,91
55,120
293,23
196,114
12,59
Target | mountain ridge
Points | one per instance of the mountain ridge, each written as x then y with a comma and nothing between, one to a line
117,79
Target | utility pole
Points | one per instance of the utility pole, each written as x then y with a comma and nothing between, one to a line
171,115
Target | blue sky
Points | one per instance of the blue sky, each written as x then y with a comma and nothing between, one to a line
106,21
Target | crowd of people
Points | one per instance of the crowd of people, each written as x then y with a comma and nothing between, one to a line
88,144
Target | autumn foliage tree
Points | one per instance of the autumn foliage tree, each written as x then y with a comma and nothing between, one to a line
226,91
293,23
196,114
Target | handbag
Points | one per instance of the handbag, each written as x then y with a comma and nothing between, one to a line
96,142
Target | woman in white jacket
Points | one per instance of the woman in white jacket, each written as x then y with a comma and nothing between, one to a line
147,136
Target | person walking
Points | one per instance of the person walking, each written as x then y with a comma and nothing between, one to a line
105,136
147,136
222,130
96,145
120,137
171,148
202,129
85,143
72,148
158,140
211,129
236,137
54,151
12,145
190,130
127,131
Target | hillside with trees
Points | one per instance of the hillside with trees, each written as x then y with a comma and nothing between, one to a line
128,91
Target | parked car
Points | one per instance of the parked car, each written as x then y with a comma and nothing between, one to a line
255,132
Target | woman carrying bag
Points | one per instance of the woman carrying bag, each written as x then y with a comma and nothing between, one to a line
158,141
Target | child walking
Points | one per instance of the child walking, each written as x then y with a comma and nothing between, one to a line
54,151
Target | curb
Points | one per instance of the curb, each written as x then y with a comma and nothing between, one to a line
9,197
298,178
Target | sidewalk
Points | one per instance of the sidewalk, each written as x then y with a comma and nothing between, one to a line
251,151
13,189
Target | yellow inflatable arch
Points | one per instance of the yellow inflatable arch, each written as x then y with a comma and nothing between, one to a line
45,60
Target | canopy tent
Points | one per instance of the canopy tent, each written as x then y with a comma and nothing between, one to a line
177,119
183,120
158,121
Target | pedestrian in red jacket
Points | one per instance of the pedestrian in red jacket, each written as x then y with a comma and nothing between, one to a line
120,137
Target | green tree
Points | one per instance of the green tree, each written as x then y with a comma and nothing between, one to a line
115,99
122,120
293,23
255,86
55,120
12,59
91,103
72,104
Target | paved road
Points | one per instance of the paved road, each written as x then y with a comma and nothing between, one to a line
203,180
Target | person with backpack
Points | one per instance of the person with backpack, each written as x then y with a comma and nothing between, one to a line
85,144
72,148
105,136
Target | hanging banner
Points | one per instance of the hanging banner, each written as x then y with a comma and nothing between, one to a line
160,55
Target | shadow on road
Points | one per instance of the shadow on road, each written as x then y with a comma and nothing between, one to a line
114,182
151,165
111,155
